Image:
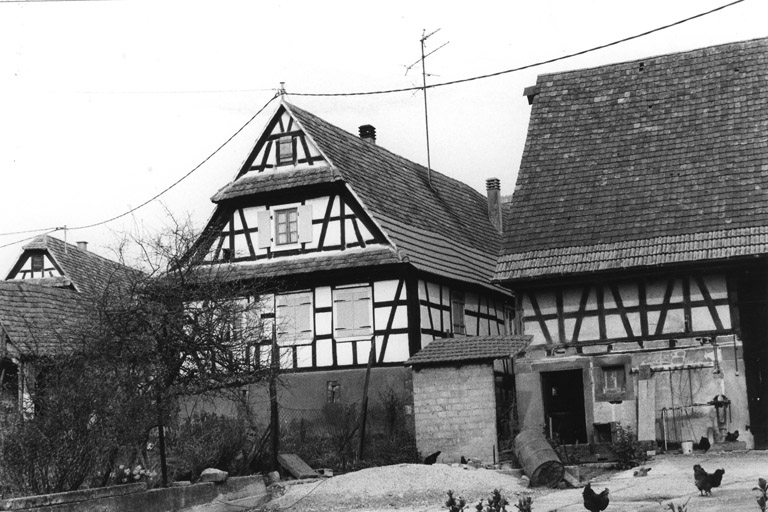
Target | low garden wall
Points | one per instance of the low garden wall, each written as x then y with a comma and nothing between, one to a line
127,498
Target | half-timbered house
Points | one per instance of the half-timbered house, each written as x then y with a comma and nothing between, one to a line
43,299
369,256
636,242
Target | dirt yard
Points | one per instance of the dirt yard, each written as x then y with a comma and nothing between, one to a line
420,488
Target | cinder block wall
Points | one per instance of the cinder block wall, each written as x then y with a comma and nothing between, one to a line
455,412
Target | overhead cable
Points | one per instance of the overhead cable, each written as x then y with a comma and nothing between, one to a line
527,66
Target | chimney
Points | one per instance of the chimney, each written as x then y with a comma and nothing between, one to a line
493,185
83,246
368,132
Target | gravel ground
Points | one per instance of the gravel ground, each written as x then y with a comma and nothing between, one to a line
414,487
420,488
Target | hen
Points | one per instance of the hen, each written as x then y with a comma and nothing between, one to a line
595,502
431,459
704,481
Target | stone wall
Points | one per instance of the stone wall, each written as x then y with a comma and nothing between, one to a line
455,412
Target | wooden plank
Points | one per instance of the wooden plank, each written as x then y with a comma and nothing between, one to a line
710,303
537,311
293,464
580,313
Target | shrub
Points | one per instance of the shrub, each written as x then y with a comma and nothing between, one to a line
454,505
496,503
208,441
628,450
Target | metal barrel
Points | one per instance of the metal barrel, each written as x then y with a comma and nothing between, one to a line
539,460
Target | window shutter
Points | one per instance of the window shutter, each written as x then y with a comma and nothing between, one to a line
265,238
305,223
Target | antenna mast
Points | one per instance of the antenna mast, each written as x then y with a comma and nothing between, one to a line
424,37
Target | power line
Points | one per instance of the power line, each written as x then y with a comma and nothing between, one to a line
52,228
527,66
26,239
95,224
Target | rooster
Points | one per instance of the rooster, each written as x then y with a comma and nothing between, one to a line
706,481
595,502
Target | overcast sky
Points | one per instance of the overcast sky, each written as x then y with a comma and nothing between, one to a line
104,104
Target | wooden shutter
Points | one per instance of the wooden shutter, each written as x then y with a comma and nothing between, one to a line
265,233
305,223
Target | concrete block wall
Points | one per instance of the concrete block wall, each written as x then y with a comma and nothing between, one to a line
455,412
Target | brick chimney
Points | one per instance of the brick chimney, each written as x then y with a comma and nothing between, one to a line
83,246
368,132
493,186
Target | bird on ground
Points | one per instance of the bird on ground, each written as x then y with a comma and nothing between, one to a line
732,436
463,460
641,471
704,444
595,502
432,458
704,481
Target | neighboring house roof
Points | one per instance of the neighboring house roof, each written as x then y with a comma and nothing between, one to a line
651,162
442,228
469,349
40,320
88,272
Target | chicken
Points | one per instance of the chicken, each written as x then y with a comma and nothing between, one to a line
732,436
432,458
595,502
463,460
704,481
704,444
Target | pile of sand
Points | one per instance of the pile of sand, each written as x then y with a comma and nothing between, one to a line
400,486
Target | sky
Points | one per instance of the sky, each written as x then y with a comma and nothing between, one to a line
105,104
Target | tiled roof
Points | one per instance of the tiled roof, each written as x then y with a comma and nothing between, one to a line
314,262
253,183
469,349
40,320
443,228
648,162
89,272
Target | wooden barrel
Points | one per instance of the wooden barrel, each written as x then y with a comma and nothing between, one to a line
539,460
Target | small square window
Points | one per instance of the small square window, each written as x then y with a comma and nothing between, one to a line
614,380
285,151
611,383
286,226
333,392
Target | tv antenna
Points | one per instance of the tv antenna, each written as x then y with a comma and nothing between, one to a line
424,37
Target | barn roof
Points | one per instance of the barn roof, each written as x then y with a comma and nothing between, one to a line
656,161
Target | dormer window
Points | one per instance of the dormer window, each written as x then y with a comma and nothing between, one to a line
287,226
286,154
37,262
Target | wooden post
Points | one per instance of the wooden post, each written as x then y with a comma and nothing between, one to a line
161,441
364,411
274,365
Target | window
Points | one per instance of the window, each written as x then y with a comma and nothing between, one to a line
286,226
611,384
352,312
457,311
285,152
37,262
333,392
294,318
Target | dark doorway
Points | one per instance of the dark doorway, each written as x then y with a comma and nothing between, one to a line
564,405
752,289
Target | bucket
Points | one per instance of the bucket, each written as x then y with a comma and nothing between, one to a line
539,460
687,447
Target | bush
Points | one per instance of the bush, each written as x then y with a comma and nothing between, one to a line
208,441
629,452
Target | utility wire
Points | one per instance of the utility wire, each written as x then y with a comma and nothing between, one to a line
52,228
527,66
26,239
180,179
